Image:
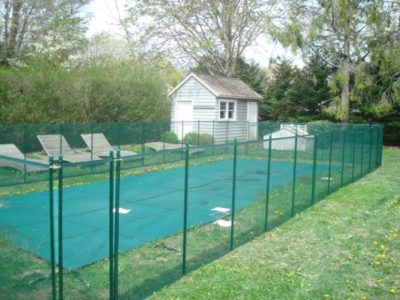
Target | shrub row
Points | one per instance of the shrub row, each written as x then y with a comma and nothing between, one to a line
193,138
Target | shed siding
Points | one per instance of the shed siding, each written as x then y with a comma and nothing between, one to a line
228,131
304,143
204,102
205,110
241,111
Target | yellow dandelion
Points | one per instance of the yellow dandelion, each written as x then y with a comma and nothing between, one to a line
378,262
363,297
326,295
382,247
392,290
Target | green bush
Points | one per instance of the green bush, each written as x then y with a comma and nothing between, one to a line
392,133
104,92
171,137
194,138
319,127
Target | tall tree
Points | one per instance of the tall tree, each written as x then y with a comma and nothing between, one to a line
343,30
219,31
296,94
274,105
52,27
252,74
377,82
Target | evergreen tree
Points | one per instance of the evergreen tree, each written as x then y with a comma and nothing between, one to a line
297,94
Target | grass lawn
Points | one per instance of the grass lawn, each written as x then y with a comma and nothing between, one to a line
345,247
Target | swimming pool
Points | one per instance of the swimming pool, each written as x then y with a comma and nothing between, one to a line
152,207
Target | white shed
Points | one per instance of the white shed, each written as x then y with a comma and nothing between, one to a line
285,138
224,107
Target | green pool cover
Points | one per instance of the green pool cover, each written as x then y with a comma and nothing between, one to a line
152,207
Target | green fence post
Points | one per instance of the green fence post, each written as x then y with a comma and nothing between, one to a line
381,146
182,137
111,225
314,170
24,136
213,133
343,156
185,209
330,162
247,139
377,146
182,132
233,193
376,143
268,183
354,155
164,147
143,136
143,148
294,173
52,246
370,149
60,228
91,141
91,146
378,139
116,233
198,136
61,133
119,134
362,153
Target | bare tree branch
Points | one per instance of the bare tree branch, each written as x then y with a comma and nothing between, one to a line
213,32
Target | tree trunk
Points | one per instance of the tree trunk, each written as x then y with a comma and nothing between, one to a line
344,79
228,10
15,24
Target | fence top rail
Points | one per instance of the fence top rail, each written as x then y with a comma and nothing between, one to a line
38,163
287,137
171,122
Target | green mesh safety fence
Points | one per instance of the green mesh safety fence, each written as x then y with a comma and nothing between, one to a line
121,209
209,189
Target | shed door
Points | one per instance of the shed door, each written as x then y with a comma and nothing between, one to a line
252,117
184,118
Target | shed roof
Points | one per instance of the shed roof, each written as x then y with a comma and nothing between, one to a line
287,132
222,87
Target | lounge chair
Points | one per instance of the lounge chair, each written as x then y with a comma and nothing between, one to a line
55,144
160,146
11,156
100,146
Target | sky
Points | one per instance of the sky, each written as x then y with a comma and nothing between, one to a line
104,18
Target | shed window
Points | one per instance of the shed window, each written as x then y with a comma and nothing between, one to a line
227,110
